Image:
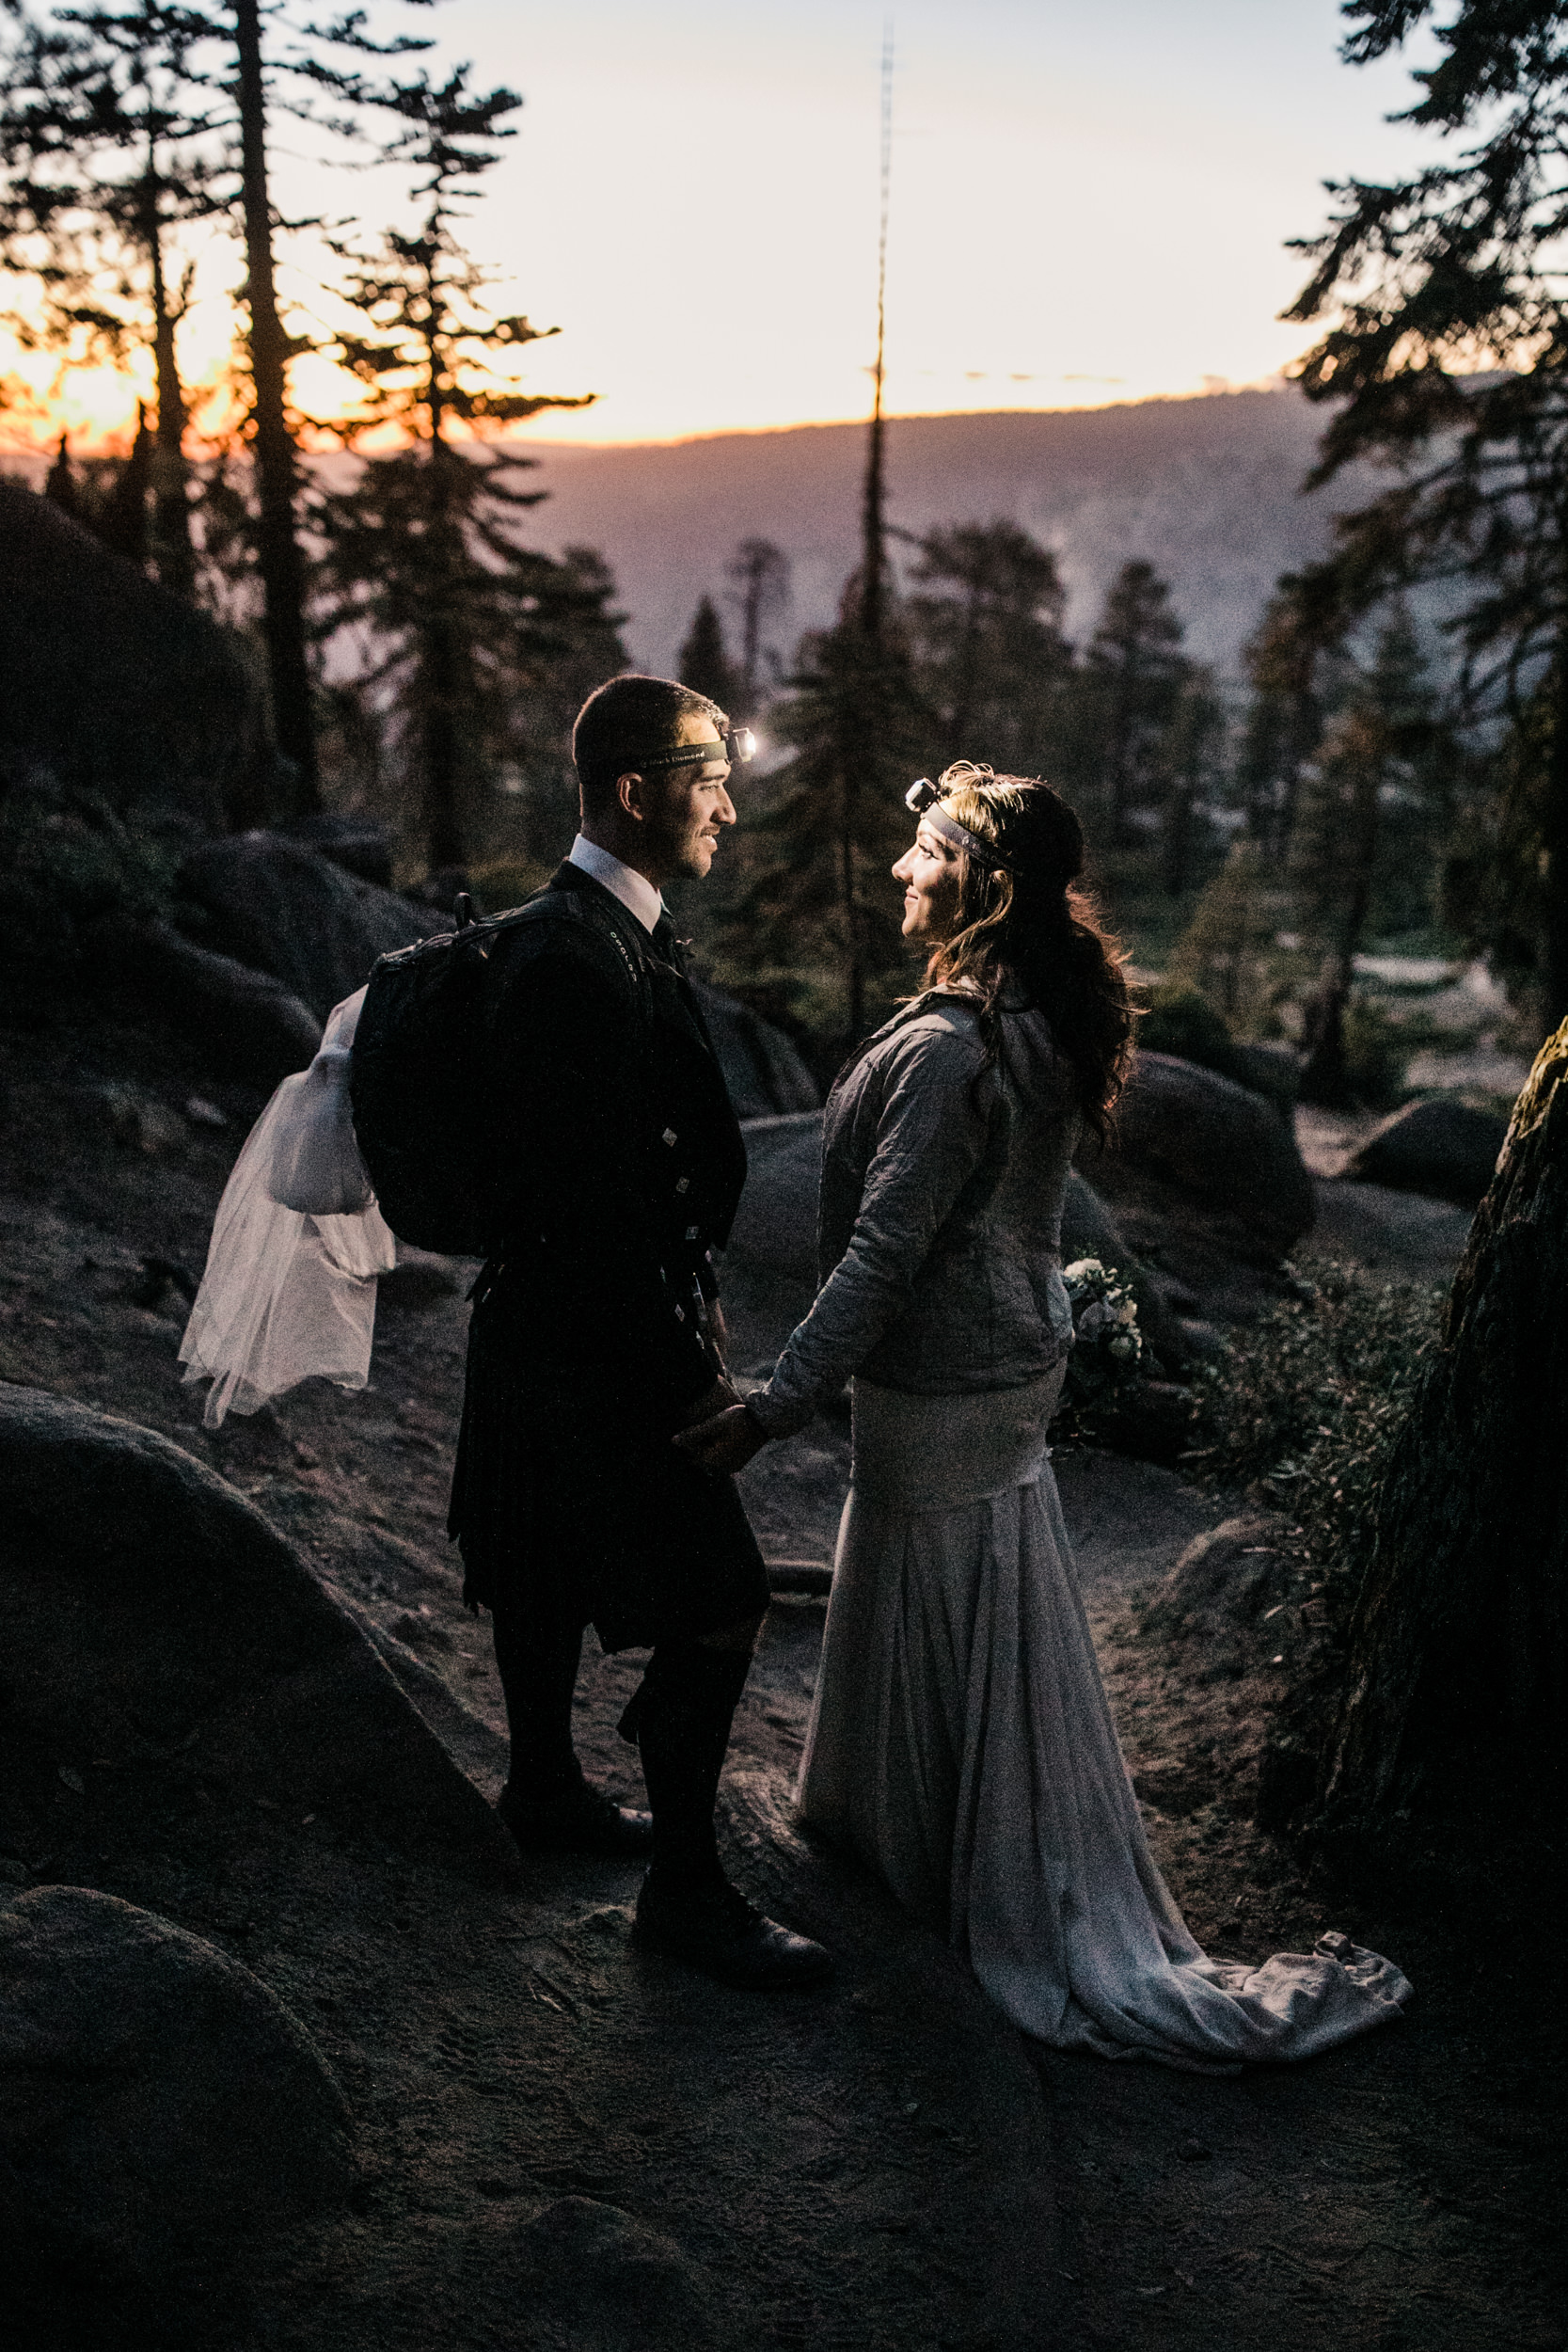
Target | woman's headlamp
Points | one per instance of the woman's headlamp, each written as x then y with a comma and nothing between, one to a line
735,746
924,801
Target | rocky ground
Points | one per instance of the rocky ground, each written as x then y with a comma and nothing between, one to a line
556,2143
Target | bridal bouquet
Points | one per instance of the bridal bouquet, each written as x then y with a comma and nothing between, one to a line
1109,1344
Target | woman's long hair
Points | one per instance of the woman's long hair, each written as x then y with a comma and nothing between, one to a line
1030,922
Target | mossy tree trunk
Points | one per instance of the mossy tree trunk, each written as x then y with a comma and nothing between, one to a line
1459,1641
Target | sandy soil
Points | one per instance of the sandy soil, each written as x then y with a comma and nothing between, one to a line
883,2163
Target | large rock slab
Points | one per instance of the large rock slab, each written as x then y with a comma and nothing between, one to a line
160,2109
775,1226
167,1649
764,1074
279,906
1216,1143
1438,1147
244,1023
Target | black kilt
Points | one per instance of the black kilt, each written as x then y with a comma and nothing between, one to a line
569,1498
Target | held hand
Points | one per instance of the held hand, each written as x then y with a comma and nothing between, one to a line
725,1443
714,1400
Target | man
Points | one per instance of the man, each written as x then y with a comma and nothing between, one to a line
596,1335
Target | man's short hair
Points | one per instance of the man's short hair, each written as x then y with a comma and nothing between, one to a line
623,722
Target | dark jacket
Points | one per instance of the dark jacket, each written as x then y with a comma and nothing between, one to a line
618,1167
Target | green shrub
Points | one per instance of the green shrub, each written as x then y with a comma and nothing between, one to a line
67,859
1180,1020
1304,1403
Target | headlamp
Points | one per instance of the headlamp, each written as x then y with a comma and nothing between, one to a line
925,800
735,746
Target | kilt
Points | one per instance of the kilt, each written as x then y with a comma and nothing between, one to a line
569,1498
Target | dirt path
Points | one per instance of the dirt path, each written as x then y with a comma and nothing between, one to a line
562,2145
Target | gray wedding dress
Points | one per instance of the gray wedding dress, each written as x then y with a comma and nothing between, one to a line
961,1742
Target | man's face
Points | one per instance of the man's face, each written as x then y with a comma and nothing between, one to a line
683,809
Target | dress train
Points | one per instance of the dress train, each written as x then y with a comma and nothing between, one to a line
962,1745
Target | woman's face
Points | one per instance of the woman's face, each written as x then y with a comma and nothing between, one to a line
929,873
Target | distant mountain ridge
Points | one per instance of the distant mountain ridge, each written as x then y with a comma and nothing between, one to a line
1207,489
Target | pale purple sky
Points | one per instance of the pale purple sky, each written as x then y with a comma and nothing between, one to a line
1089,203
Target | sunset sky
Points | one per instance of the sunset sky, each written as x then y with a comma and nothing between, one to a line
1089,204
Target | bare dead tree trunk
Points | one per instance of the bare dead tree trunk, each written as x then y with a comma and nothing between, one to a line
964,692
171,512
1324,1079
1459,1642
278,555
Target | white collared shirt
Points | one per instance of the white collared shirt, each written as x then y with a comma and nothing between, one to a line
635,891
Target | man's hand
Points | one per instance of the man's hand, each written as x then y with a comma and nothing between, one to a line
724,1442
714,1400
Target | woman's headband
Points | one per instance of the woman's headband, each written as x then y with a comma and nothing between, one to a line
926,801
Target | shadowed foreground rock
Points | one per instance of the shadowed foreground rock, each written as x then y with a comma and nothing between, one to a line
1442,1147
1458,1643
156,1622
185,1708
160,2109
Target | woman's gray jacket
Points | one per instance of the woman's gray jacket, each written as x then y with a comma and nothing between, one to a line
940,1222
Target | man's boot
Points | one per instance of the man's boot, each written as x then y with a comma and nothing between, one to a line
680,1719
546,1804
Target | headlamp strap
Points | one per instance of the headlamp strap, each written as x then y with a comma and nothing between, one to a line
925,801
735,746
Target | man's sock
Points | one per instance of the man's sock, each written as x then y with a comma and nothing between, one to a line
538,1662
680,1719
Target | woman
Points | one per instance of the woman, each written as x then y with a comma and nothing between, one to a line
960,1740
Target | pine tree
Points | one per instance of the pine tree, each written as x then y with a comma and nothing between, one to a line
60,486
1190,758
103,168
121,519
705,663
1367,814
1294,663
1447,357
1135,671
223,72
421,555
107,496
759,587
856,725
985,629
1224,951
834,820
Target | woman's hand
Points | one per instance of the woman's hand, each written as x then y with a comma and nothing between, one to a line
723,1444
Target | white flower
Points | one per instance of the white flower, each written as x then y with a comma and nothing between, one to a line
1082,1270
1124,1344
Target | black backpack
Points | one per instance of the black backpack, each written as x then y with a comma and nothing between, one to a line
417,1080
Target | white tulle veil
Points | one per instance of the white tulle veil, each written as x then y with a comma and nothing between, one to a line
298,1242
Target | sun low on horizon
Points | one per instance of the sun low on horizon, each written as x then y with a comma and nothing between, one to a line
1086,210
